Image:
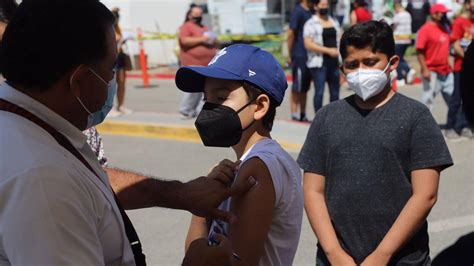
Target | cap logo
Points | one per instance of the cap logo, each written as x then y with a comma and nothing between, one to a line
252,73
217,56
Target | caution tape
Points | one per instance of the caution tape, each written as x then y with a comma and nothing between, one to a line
224,37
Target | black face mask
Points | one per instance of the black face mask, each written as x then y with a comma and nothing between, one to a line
323,11
197,20
219,125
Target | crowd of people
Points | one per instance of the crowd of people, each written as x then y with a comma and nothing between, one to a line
313,43
371,162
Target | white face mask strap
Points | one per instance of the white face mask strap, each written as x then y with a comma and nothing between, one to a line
388,65
98,76
79,100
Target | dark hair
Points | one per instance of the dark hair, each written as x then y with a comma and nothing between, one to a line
47,38
361,3
7,9
253,92
374,34
191,6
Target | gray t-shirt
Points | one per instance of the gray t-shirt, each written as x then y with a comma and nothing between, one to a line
367,157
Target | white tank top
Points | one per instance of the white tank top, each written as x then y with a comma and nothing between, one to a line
284,233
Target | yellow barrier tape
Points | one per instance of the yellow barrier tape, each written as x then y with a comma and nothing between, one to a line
226,37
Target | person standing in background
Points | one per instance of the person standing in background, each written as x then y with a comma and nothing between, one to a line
198,47
298,57
419,11
321,34
402,34
120,68
340,11
432,46
461,36
361,12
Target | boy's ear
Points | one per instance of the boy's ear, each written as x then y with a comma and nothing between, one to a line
394,61
263,104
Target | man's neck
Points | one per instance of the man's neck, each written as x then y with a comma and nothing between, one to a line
377,101
49,99
305,5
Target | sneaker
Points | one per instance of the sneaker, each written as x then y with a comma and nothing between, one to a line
295,117
125,110
467,133
185,116
304,119
401,83
114,113
451,134
411,76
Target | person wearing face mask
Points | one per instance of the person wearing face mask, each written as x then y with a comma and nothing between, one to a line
198,47
372,162
432,45
243,87
321,34
58,206
297,59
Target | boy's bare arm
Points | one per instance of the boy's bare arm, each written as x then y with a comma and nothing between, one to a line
197,229
318,215
254,211
425,189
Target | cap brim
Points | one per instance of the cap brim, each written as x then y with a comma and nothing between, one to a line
191,79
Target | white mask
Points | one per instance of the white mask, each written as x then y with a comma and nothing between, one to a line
367,83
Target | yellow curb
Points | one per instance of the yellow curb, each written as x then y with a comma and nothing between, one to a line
168,132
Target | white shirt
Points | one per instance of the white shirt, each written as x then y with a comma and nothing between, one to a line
284,233
314,30
53,210
402,32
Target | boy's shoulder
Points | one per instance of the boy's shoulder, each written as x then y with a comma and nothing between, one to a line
407,104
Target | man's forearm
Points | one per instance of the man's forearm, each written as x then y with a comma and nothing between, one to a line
406,225
421,59
190,42
290,41
136,191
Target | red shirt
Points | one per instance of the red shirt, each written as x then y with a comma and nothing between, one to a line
463,30
435,43
199,55
362,14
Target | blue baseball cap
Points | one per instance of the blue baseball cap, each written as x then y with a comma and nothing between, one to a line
240,62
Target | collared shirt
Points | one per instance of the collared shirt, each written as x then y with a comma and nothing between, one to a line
314,30
53,210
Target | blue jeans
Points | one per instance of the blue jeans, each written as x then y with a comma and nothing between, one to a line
456,117
328,72
403,66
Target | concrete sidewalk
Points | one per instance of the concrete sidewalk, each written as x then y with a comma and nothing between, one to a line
171,126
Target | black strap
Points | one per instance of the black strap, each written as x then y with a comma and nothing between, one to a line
65,143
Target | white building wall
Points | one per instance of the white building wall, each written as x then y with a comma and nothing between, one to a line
153,16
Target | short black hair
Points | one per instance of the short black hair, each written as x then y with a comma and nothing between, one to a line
7,9
47,38
253,92
377,35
